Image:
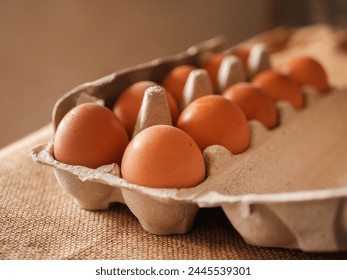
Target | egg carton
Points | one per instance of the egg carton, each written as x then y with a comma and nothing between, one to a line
288,189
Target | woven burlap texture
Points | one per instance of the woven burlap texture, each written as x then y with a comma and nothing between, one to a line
38,220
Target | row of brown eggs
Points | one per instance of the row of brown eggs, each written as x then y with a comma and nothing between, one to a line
171,156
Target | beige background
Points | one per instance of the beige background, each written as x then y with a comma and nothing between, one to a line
49,47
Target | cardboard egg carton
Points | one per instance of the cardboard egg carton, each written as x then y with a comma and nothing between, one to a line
289,189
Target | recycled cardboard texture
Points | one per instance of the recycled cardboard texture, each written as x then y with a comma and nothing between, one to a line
272,193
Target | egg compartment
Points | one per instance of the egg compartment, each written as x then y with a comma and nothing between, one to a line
272,193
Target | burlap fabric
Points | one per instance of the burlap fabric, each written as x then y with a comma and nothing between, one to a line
38,220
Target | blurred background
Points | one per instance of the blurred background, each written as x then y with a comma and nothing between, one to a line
49,47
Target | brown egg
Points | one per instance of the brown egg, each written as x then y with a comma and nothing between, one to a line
279,87
213,119
256,104
213,62
211,65
129,103
90,135
306,70
163,156
242,54
176,79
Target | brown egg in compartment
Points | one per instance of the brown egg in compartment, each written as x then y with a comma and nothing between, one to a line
279,87
256,104
163,156
212,119
306,70
90,135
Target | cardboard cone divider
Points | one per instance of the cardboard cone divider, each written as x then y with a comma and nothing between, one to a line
288,189
259,59
197,85
230,72
154,109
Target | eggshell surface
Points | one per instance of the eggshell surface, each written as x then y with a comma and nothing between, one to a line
213,119
211,65
242,54
90,135
176,79
163,156
129,103
256,104
279,87
306,70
